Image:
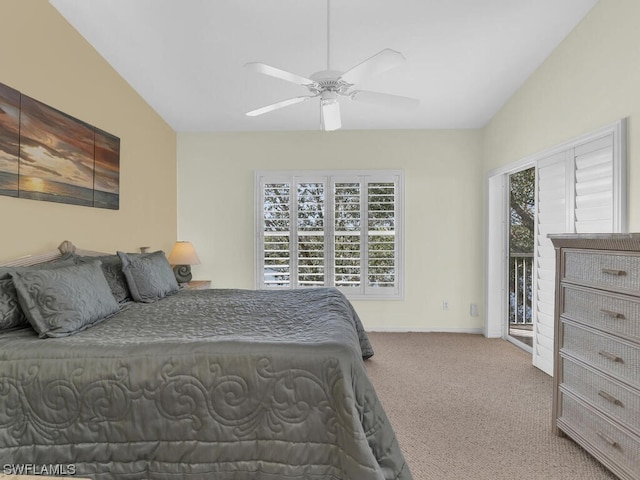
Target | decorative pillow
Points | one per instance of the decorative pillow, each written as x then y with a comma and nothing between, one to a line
149,276
65,300
10,312
112,269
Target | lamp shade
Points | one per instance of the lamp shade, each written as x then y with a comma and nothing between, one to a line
183,253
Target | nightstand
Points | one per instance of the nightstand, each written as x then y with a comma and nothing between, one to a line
196,285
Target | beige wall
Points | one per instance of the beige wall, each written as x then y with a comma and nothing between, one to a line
443,211
43,57
592,79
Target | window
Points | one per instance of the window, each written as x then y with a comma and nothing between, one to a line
332,229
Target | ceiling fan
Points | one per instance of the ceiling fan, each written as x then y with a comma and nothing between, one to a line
329,85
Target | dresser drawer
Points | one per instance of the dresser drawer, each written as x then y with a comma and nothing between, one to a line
617,445
616,314
615,357
612,398
604,270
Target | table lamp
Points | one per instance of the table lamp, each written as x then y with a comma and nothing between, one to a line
182,257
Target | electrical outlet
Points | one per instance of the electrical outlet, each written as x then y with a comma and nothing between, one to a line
473,310
445,305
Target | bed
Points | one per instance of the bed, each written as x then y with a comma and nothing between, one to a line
197,384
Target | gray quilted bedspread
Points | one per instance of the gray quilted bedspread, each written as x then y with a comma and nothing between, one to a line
210,384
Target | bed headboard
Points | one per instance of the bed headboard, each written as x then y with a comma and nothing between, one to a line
64,248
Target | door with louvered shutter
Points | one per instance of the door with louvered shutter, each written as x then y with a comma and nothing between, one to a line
575,194
594,186
552,217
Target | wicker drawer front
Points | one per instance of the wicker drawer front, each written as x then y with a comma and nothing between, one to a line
614,314
620,402
618,446
617,358
604,270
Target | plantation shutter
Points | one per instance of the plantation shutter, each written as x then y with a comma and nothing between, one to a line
275,228
381,252
347,241
594,186
310,206
318,229
576,193
552,204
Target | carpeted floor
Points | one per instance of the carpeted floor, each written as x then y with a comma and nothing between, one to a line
467,407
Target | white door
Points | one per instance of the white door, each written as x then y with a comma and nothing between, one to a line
580,188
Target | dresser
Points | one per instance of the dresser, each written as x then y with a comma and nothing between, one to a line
596,396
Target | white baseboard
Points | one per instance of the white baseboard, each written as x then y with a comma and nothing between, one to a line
478,331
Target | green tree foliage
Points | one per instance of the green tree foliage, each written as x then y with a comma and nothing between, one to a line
522,211
521,244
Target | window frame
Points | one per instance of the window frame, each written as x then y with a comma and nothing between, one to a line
330,178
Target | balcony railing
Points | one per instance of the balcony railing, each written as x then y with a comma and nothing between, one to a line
520,288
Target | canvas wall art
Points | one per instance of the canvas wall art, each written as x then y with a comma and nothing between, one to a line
48,155
9,140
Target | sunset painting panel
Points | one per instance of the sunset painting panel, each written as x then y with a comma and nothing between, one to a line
106,186
48,155
56,155
9,140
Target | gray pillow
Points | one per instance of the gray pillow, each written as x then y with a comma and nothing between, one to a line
149,276
65,300
112,269
11,314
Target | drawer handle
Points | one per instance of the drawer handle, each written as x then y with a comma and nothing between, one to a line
611,398
613,271
607,439
613,314
610,356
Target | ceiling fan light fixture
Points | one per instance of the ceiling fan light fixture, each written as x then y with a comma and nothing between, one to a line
330,114
328,97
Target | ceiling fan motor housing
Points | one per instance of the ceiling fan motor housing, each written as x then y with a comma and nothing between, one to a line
328,81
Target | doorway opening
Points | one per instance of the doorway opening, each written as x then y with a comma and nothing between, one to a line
522,221
571,195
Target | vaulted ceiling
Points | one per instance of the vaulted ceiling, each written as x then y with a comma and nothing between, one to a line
464,58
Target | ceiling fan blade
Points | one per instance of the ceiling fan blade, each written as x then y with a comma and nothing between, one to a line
384,99
380,62
277,105
276,72
331,115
